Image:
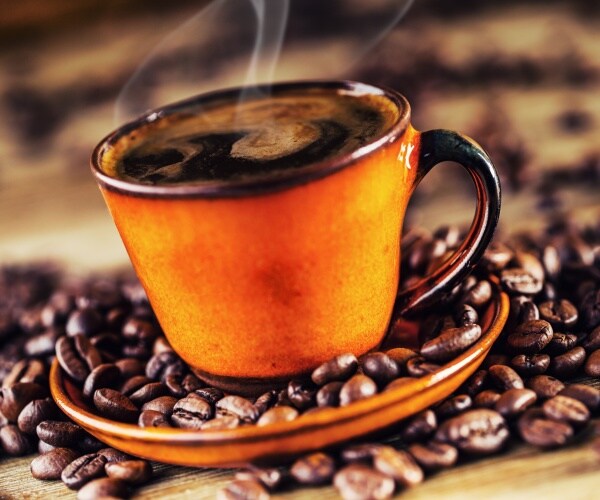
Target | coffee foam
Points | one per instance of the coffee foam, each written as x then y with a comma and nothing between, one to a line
263,137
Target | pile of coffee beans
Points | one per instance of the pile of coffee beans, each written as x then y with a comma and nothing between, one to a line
105,336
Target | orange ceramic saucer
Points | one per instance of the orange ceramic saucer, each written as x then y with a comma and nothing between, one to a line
307,433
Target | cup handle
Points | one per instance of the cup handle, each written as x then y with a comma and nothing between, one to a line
444,145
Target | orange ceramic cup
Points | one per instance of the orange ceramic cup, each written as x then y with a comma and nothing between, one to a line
258,281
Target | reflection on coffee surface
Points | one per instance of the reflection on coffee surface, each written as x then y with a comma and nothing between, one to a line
263,137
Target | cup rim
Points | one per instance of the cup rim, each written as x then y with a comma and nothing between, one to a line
252,186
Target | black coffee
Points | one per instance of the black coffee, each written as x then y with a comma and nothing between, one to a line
227,140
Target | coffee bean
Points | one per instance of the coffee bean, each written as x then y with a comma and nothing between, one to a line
561,343
35,412
420,367
479,295
535,429
14,398
133,384
130,367
559,313
453,406
495,359
340,368
221,422
486,399
82,470
356,388
276,415
433,456
522,310
57,309
514,402
566,409
329,394
103,488
528,365
301,395
89,444
162,404
519,281
590,309
270,478
401,355
418,427
42,344
153,418
567,364
356,481
181,386
476,383
113,405
379,367
530,263
77,356
50,465
314,469
139,329
551,261
592,341
210,394
86,321
450,343
191,412
60,434
479,431
243,489
103,376
466,315
530,337
238,407
44,447
113,455
14,442
588,395
164,364
26,370
399,465
504,377
149,392
360,452
496,257
130,471
592,365
545,386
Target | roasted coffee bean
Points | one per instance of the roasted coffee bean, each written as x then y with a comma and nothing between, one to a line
112,404
130,367
149,392
522,310
60,434
130,471
466,315
566,409
530,337
535,429
479,295
14,442
514,402
87,352
162,404
561,343
356,388
480,431
42,344
277,414
104,487
588,395
191,412
89,444
433,456
450,343
26,370
401,355
357,481
592,365
529,312
418,427
453,406
314,469
476,383
567,364
379,367
139,329
113,455
590,309
161,344
329,394
210,394
486,399
238,407
301,395
419,367
109,344
545,386
270,478
50,465
133,384
360,452
592,341
44,447
551,261
57,309
221,422
14,398
399,465
36,411
519,281
504,377
243,489
529,365
496,257
164,364
86,321
559,313
70,360
181,387
153,418
530,263
495,359
103,376
340,368
82,470
266,401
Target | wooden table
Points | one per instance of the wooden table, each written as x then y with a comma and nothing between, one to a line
51,209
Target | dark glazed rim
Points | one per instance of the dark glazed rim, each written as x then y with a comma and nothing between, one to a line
223,189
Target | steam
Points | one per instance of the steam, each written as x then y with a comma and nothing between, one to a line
249,42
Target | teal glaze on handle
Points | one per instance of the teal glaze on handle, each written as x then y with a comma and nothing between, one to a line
438,146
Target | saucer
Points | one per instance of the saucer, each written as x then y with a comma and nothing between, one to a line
328,427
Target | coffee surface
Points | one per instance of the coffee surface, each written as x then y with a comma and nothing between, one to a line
261,137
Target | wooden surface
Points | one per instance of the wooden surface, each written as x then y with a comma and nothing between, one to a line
50,207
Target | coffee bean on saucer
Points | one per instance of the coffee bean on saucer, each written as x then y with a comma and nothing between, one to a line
433,456
301,395
450,343
14,442
163,364
361,481
566,409
238,407
265,401
276,415
104,487
314,469
60,434
356,388
153,418
130,471
588,395
71,360
148,392
82,470
592,365
162,404
238,489
566,365
379,367
466,315
191,412
419,367
329,394
133,384
114,405
479,295
35,412
545,386
51,464
401,355
130,367
103,376
536,429
210,394
220,423
340,368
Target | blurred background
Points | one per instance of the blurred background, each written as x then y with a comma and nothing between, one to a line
521,77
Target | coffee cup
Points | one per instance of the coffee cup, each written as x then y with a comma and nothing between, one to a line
265,226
